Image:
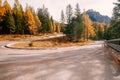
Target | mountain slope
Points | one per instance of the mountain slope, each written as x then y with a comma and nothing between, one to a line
97,17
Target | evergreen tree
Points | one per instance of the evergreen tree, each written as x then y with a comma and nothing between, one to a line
69,14
8,20
9,24
74,27
78,29
77,10
115,21
69,28
18,14
100,33
62,17
45,20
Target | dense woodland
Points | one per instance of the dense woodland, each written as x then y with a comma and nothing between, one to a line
76,25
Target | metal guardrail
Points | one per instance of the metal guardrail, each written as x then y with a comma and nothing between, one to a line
113,47
114,44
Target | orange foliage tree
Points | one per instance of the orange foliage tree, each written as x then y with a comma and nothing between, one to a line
30,21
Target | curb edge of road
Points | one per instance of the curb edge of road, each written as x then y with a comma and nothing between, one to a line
24,48
35,48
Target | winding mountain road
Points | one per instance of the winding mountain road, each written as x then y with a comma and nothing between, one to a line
88,62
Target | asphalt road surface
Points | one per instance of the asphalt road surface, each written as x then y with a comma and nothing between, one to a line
88,62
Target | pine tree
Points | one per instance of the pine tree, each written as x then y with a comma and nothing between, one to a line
69,14
18,16
74,27
9,24
78,29
115,21
62,17
77,10
100,33
43,15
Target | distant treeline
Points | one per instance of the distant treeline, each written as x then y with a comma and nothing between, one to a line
75,25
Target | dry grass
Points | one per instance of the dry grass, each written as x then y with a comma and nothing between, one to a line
51,43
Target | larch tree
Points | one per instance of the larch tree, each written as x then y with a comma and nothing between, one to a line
2,11
38,23
58,28
2,14
88,28
8,21
51,25
7,7
54,26
30,21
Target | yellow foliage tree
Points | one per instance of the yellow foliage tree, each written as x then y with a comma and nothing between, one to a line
51,27
7,7
38,23
2,11
54,27
2,14
30,21
58,28
88,28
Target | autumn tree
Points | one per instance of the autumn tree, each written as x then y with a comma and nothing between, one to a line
58,28
7,7
2,11
8,20
2,14
88,28
30,21
51,25
38,23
